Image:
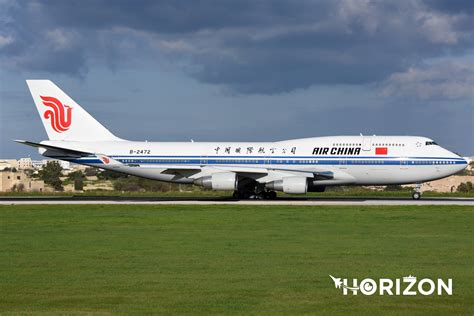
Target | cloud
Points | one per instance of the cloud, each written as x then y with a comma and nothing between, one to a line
5,40
261,47
60,39
444,80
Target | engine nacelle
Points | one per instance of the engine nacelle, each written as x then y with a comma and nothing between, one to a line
292,185
219,181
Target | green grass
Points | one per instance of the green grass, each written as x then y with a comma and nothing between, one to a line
73,259
352,192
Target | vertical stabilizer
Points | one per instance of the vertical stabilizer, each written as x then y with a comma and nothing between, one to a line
63,118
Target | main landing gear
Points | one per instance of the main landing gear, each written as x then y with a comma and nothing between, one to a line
416,195
261,195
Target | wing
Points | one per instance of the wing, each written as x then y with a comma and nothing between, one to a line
263,175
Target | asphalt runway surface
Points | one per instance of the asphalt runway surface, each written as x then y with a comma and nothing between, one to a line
231,201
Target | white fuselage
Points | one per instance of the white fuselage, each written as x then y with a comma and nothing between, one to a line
292,166
357,160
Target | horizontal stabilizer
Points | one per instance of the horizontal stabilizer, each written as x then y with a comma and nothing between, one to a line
65,151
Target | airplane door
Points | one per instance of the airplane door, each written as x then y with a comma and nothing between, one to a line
366,143
268,161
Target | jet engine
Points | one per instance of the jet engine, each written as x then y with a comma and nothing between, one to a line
219,181
293,185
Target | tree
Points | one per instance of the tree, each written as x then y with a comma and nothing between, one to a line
465,187
78,178
51,174
76,175
78,184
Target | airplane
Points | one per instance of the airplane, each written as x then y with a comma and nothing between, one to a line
249,169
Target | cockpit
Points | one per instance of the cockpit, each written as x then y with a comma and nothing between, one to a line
430,143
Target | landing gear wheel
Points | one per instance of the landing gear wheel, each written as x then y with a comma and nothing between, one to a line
239,195
246,195
416,195
271,195
242,195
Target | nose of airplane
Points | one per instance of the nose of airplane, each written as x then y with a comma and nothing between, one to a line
463,163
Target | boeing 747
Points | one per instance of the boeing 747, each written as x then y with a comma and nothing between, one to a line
250,169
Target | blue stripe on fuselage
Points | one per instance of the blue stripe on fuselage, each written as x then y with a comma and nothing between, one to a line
185,160
287,157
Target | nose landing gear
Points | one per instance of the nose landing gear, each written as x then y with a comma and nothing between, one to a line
416,195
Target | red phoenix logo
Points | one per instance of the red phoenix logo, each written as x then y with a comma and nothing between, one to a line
105,159
60,114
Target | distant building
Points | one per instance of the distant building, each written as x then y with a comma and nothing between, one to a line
19,181
25,163
66,165
38,164
28,163
8,163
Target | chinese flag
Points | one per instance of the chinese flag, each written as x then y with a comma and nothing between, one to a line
381,150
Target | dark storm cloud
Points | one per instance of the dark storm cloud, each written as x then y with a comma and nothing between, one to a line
248,46
451,6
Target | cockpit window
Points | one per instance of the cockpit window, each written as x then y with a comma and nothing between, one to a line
430,143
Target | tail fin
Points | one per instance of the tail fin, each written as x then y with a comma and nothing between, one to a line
63,118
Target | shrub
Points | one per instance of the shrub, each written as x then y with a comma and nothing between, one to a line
18,187
90,172
78,184
125,184
110,175
393,187
76,175
465,187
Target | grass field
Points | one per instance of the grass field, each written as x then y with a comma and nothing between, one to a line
352,193
229,259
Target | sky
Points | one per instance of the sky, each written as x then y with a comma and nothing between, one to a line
243,70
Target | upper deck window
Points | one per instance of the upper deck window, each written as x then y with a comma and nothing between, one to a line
430,143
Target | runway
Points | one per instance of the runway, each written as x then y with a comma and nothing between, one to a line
229,201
